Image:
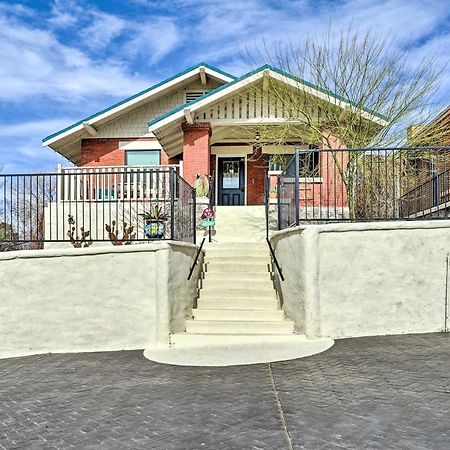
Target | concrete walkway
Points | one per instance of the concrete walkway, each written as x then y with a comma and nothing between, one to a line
366,393
233,350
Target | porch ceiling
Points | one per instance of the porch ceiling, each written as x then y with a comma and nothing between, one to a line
171,138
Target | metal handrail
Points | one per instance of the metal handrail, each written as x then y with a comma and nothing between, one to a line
274,259
196,259
429,180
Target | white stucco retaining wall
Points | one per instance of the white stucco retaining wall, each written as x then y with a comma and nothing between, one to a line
94,299
346,280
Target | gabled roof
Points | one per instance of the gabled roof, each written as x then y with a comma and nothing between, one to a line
137,98
238,83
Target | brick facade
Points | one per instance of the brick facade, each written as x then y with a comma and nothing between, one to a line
197,158
196,150
257,164
106,152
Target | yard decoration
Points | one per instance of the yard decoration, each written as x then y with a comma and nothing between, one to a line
76,240
113,233
208,218
155,223
201,185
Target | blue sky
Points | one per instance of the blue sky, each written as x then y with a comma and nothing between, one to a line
64,60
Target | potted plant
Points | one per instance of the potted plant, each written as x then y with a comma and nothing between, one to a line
273,193
155,223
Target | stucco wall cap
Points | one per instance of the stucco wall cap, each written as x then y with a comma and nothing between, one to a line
89,251
363,226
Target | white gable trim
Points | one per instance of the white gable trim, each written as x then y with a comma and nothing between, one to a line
191,109
136,100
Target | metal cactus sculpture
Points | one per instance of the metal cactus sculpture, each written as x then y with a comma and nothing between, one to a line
113,233
77,240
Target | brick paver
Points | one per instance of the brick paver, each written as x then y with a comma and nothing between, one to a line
366,393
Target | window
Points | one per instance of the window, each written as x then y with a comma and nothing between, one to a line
279,162
143,157
230,178
193,95
309,163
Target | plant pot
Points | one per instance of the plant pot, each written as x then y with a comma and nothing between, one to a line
154,229
272,195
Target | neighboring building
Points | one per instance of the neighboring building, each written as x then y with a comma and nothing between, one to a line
427,175
197,121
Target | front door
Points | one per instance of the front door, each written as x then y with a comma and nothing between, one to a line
231,181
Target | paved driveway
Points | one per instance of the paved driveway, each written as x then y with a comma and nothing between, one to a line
366,393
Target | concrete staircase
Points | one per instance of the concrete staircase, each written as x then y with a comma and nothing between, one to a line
237,319
237,300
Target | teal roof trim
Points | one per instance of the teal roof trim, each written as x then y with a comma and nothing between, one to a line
243,77
137,95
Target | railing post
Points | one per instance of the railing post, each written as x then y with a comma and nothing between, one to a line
266,202
194,215
172,202
436,190
180,168
58,183
297,186
279,202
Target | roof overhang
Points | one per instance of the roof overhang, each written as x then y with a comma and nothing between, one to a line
67,138
167,127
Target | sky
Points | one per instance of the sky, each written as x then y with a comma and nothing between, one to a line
63,60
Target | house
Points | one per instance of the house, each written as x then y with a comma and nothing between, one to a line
203,121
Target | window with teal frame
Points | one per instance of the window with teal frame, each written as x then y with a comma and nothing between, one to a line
143,157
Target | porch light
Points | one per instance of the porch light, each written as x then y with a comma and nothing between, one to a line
257,136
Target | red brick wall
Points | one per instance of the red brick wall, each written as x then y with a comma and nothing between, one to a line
256,173
333,192
106,152
196,150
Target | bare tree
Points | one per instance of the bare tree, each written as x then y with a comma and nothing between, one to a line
358,76
361,93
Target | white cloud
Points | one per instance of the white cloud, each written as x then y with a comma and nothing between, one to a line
153,39
40,127
36,64
102,30
65,13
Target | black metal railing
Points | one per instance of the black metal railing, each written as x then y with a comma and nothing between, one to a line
430,197
212,190
82,207
373,184
197,257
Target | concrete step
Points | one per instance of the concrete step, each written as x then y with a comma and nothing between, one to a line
233,292
225,339
238,303
229,245
234,267
237,314
239,326
237,252
240,258
237,282
237,277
